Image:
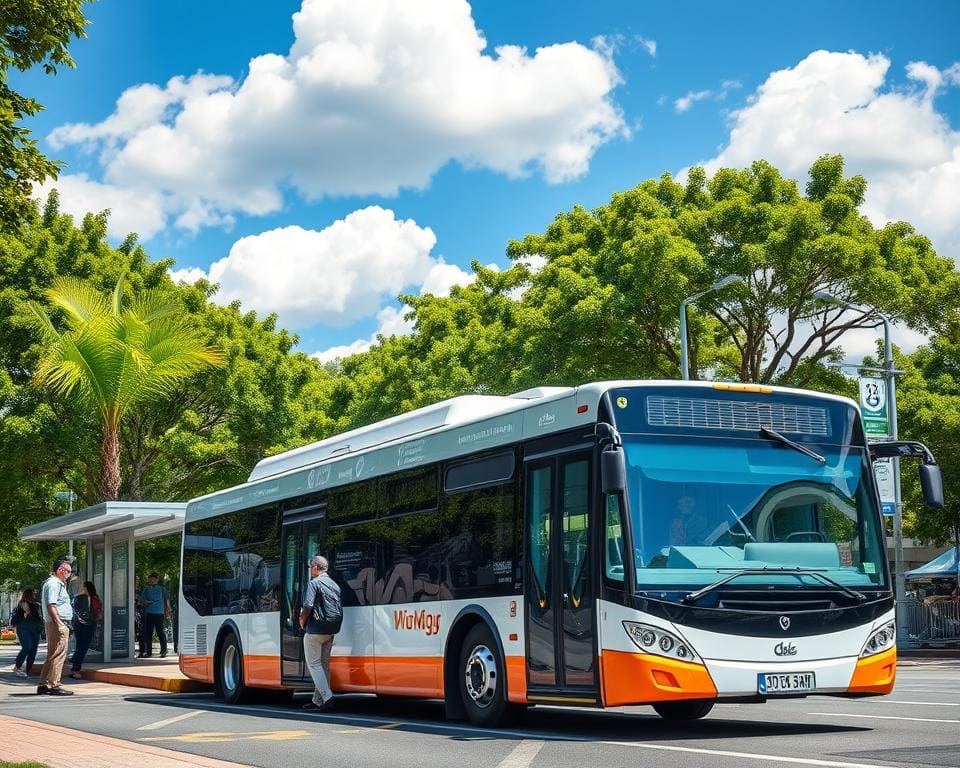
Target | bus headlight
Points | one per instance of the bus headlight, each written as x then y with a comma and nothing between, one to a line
660,642
880,640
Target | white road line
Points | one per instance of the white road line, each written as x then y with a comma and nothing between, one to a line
921,703
883,717
170,720
744,755
522,755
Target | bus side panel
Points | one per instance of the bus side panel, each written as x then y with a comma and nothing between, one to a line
352,657
260,638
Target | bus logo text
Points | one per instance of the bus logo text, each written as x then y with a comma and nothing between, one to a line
785,649
417,620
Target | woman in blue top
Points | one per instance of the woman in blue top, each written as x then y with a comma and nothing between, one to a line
27,620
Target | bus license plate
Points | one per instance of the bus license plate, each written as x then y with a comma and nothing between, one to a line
771,684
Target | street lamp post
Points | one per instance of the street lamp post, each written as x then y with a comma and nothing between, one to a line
67,496
900,583
684,358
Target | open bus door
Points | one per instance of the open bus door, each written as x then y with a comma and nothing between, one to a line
303,532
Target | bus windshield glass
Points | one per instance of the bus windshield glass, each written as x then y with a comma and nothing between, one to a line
721,482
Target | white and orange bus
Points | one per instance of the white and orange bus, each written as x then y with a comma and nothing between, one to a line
668,543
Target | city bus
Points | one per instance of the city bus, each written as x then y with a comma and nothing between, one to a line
664,543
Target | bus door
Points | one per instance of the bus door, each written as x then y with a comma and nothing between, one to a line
561,652
303,535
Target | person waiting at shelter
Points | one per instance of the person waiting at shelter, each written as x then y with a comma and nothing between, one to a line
155,603
58,614
27,621
87,612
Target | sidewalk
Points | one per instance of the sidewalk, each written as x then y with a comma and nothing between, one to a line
158,674
66,748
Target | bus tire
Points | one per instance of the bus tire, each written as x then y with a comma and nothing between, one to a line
692,709
229,682
483,678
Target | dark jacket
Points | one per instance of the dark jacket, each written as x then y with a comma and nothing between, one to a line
31,616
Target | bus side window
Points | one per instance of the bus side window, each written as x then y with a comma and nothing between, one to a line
613,539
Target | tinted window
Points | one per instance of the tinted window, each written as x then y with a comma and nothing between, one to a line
411,572
353,503
478,555
486,471
231,562
413,491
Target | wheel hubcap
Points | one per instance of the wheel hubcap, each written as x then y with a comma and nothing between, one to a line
481,676
231,667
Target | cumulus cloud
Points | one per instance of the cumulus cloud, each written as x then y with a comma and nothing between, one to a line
894,136
333,276
374,96
390,322
649,45
131,210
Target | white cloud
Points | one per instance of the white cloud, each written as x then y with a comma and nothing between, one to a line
684,103
374,96
332,276
650,45
188,275
390,322
894,136
131,209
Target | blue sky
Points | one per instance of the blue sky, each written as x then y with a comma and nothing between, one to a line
387,148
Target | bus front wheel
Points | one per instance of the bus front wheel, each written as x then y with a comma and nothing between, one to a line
693,709
229,681
482,678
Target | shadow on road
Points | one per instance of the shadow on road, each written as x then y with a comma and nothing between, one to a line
552,723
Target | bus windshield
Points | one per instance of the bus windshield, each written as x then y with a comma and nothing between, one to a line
701,508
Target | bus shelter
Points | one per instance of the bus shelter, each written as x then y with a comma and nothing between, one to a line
111,530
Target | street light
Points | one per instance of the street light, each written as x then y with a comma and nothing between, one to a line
68,496
890,375
723,282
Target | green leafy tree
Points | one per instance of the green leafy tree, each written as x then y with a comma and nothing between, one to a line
115,355
606,302
928,407
31,33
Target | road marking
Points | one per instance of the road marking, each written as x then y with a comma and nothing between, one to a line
209,737
170,720
522,755
745,755
883,717
921,703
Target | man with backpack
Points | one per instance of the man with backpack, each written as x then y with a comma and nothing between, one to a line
320,617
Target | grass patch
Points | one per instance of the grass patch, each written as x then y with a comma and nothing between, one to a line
31,764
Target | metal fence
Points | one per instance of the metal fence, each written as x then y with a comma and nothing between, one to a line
934,624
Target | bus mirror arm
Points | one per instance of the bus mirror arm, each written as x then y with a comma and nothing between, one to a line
931,478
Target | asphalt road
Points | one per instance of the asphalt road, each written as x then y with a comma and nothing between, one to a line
918,725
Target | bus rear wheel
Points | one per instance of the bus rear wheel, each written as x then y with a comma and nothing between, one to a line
483,678
229,680
693,709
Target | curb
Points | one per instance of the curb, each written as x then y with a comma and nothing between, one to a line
168,684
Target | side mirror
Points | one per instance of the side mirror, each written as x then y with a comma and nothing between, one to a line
613,470
931,481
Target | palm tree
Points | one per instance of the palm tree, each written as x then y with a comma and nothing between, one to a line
115,355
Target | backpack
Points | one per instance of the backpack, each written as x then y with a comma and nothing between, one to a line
327,610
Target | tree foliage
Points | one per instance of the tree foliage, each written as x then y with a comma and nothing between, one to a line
32,33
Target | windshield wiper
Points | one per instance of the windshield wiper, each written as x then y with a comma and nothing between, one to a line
797,571
783,440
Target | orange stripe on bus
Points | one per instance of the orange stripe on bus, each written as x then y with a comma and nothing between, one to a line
875,674
637,678
262,671
352,673
197,667
517,679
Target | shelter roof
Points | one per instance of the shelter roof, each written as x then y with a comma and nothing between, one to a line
147,520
